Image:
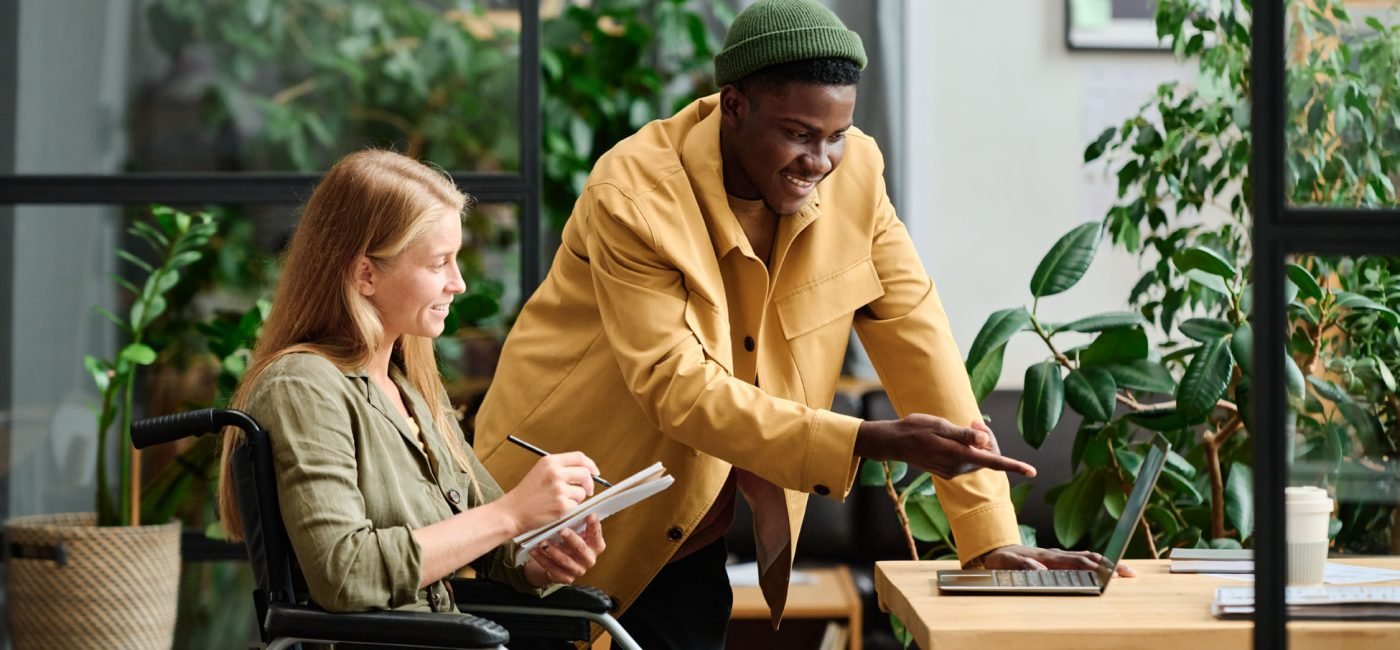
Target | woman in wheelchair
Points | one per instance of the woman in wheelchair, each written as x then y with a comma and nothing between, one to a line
381,496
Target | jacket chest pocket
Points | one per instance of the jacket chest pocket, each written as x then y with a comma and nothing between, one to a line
711,326
829,301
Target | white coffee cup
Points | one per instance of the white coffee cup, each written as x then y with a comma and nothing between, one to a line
1308,510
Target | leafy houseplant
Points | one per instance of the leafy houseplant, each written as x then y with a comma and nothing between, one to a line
178,239
1187,152
610,67
139,565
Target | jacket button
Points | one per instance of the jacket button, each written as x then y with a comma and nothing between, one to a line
821,489
674,534
454,496
748,343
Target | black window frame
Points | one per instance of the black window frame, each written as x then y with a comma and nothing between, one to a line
1279,230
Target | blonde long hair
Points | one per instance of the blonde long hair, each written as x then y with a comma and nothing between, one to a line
371,203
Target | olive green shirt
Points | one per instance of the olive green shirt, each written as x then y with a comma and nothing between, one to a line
353,485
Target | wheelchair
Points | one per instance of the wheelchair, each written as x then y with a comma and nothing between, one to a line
286,616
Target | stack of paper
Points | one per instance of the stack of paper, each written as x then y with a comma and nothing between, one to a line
604,504
1349,602
1212,560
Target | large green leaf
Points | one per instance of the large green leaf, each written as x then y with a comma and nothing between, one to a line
1180,464
1018,495
1205,380
1212,282
1162,520
1113,497
1181,485
1042,402
872,472
139,354
984,377
1292,376
1204,259
1077,506
1358,302
1239,500
1091,391
1142,374
1206,330
1307,285
1242,348
1067,261
998,329
1106,321
1161,419
984,358
1329,390
1115,346
927,521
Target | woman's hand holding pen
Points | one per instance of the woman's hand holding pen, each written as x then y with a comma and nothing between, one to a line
555,484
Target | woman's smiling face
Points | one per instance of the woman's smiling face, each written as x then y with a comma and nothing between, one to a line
413,291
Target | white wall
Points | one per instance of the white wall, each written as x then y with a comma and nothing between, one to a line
999,114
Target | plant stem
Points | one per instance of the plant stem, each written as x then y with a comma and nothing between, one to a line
899,510
1213,442
124,502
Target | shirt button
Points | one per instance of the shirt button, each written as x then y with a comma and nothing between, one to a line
454,496
748,343
674,534
821,490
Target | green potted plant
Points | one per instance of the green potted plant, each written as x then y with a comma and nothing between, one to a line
103,579
1188,150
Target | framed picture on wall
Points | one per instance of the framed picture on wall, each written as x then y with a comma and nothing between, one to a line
1111,25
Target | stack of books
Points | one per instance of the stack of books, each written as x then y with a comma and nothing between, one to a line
1212,560
1371,603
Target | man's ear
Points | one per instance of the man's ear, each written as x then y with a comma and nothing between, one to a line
733,105
364,275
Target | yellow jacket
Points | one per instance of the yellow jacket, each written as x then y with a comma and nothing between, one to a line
633,351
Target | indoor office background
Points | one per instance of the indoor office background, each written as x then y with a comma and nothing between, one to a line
984,111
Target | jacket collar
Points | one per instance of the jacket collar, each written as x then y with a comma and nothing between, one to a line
704,165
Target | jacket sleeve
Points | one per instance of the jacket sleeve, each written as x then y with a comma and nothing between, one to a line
907,336
349,564
643,300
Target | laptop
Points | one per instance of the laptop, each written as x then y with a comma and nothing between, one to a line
1081,582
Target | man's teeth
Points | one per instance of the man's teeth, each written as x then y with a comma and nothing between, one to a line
799,182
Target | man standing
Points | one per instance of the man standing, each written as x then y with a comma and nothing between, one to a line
698,312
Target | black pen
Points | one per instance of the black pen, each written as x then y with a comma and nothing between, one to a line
529,447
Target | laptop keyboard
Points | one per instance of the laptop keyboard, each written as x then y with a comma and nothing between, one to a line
1056,578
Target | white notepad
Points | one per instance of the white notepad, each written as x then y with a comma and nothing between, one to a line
615,499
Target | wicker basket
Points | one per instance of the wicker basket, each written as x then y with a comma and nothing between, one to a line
71,584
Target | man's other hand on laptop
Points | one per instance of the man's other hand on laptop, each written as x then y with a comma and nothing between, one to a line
1029,557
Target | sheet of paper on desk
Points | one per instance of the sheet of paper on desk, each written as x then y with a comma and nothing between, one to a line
1336,573
745,574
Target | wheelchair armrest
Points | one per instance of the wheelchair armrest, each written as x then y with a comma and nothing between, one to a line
484,592
424,629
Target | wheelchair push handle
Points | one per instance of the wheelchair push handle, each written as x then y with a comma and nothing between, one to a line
169,428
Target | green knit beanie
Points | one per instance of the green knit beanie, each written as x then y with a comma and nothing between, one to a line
770,32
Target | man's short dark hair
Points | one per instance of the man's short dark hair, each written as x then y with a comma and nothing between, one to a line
831,71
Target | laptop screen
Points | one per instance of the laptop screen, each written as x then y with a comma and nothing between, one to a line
1133,509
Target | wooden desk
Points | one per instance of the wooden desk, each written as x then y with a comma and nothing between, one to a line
833,597
1154,610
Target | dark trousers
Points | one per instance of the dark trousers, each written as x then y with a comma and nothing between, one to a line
687,605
